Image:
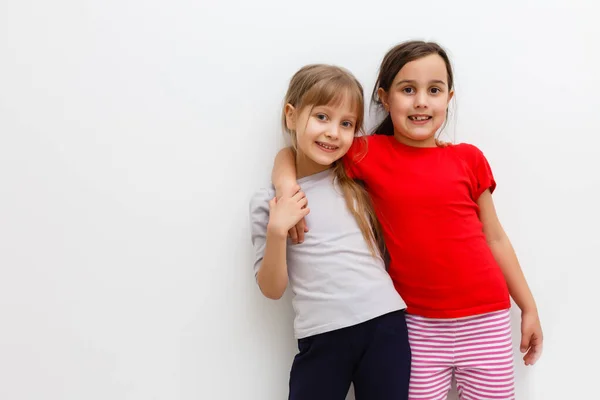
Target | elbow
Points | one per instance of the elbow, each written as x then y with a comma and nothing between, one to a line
271,290
272,293
496,240
491,241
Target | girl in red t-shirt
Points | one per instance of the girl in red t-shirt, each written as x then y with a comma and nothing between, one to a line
450,258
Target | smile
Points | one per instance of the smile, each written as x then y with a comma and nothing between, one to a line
419,117
328,147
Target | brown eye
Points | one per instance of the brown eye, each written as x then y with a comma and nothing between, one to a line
408,90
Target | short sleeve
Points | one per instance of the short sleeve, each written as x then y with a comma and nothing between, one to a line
483,174
259,219
353,158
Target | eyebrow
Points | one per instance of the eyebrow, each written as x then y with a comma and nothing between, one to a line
330,109
413,82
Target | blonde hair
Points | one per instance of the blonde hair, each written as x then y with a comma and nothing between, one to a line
316,85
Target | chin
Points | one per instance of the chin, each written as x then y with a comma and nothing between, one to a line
421,138
325,161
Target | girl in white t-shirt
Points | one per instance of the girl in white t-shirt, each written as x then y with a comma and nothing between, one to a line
349,321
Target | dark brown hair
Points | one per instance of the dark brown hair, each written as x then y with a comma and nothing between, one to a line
316,85
392,63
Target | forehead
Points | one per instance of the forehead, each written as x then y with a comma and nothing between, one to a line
431,67
343,102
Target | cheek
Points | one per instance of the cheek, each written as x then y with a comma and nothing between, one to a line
398,114
303,139
398,104
348,138
441,106
309,130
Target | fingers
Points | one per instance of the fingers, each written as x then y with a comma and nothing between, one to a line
303,202
527,358
534,350
299,235
537,345
272,202
525,339
533,354
299,196
296,234
440,143
302,223
293,235
300,227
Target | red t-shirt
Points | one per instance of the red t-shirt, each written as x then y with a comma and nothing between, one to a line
426,201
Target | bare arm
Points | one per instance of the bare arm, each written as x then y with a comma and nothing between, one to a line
284,173
284,179
531,331
504,254
272,276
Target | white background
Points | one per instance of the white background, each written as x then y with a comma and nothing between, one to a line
133,133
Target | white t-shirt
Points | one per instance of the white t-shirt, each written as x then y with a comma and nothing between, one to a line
335,280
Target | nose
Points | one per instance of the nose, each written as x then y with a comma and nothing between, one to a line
333,132
421,99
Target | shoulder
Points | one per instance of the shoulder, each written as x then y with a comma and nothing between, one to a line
365,145
259,202
468,152
466,149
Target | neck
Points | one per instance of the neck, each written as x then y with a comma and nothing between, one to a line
429,142
306,167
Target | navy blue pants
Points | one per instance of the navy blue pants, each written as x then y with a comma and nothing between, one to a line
374,355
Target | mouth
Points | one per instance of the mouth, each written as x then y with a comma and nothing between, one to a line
419,118
327,147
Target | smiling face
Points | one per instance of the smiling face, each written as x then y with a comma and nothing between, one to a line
417,100
324,133
324,109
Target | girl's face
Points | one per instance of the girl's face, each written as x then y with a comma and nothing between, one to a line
324,134
417,100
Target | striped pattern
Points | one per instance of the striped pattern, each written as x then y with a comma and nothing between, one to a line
477,350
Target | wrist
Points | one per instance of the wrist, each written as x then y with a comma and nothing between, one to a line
287,189
529,309
276,232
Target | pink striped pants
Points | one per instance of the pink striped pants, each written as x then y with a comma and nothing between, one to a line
477,350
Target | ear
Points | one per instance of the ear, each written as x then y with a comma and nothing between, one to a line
290,117
383,97
450,96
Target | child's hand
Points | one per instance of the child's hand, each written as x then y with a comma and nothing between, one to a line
296,233
439,143
286,212
532,338
287,190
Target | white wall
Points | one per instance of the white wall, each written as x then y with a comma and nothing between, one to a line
132,134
